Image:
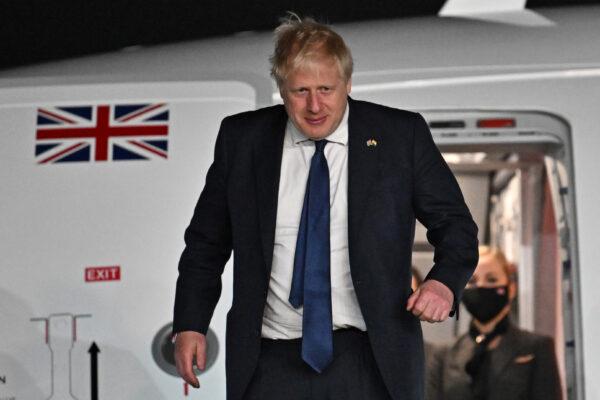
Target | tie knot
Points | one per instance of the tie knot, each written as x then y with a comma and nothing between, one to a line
320,145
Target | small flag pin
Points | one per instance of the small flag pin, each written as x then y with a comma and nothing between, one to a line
371,142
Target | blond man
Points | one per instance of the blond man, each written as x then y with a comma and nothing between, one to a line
317,199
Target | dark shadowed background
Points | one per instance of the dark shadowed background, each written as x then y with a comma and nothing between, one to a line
32,31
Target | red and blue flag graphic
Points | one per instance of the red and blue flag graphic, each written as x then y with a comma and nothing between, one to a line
102,133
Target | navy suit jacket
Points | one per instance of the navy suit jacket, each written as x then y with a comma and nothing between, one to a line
404,176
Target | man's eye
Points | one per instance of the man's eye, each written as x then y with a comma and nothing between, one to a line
325,89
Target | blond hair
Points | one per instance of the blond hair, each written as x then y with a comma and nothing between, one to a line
299,42
497,254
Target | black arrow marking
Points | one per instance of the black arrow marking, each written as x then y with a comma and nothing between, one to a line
94,350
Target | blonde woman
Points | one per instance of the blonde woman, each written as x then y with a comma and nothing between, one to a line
496,360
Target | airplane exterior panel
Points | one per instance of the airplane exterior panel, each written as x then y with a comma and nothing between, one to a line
91,241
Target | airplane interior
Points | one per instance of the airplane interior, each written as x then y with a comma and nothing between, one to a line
508,164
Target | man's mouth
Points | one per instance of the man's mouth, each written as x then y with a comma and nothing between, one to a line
315,121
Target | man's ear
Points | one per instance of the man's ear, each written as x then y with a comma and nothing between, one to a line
349,86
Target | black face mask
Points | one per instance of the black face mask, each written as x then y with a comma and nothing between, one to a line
485,303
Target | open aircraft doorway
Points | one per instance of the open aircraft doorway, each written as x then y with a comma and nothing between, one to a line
515,171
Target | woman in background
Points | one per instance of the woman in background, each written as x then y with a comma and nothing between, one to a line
495,360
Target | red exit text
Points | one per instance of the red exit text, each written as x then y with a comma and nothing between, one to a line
100,274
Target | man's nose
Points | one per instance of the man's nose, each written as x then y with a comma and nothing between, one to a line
314,103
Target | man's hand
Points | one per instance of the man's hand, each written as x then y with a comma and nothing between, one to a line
187,345
431,301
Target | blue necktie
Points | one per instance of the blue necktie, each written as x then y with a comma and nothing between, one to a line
311,282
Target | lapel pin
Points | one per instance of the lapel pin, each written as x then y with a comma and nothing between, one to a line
371,143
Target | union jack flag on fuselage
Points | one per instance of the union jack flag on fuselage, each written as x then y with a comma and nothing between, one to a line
102,133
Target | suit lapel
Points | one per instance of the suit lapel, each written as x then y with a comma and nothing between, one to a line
267,160
363,169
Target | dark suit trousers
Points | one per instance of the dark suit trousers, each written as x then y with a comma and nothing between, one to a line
281,373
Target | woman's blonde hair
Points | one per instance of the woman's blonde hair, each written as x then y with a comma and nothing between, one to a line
494,252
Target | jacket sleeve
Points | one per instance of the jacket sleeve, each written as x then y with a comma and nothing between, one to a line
440,207
207,248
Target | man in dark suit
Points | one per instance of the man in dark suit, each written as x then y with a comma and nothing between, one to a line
318,199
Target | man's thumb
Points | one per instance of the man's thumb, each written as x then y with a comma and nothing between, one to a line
413,299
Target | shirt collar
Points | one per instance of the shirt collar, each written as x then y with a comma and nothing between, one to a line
339,135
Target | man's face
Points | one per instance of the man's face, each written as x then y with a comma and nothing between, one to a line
315,97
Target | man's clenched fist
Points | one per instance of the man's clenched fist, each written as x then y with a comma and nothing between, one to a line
431,302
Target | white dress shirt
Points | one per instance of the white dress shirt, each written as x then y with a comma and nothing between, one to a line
280,319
